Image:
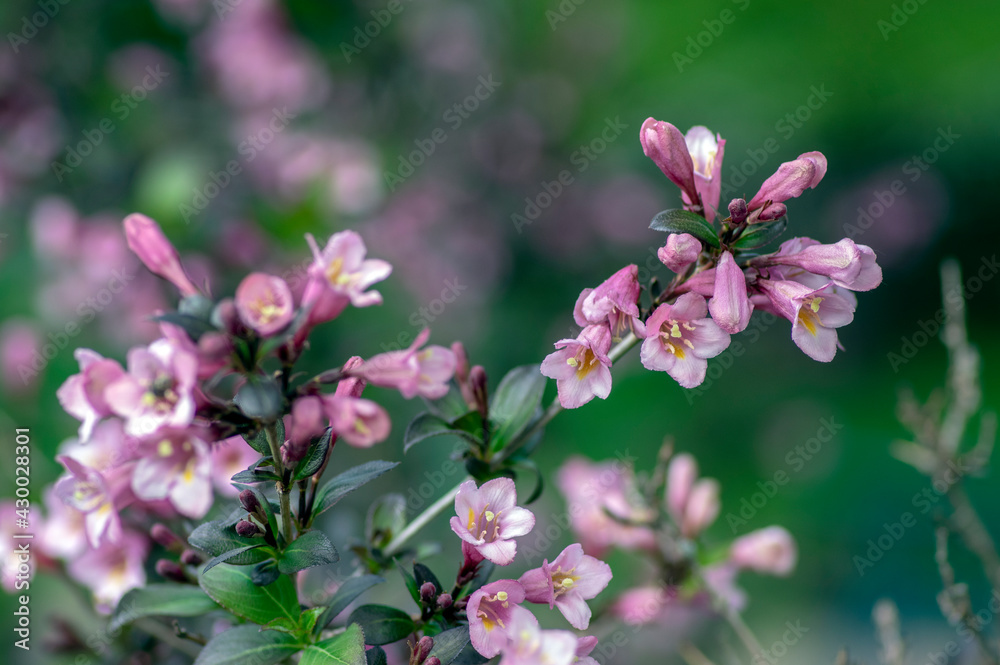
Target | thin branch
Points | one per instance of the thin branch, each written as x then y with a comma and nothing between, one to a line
885,614
422,520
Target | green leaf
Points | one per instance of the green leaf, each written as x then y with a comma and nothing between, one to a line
759,235
309,618
314,460
427,426
345,595
283,625
217,538
684,221
348,648
231,554
255,476
386,518
515,402
469,656
343,484
450,407
449,644
232,587
310,549
382,624
258,441
265,573
247,644
259,399
539,481
424,574
174,600
411,583
376,656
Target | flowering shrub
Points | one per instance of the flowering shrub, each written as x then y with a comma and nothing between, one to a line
221,405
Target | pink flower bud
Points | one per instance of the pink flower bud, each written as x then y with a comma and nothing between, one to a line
666,146
264,303
352,386
146,239
171,570
771,550
730,306
162,534
191,558
737,211
308,422
771,213
247,529
848,264
249,501
791,179
702,507
681,250
681,475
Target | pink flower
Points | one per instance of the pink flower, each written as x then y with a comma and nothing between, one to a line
815,314
667,147
152,247
111,570
845,263
693,504
581,367
643,605
87,491
264,303
706,155
360,422
412,372
584,646
681,476
158,389
528,645
770,550
14,573
789,181
341,274
83,395
681,250
64,534
213,350
615,301
730,306
680,339
229,457
20,342
491,611
488,518
594,490
176,467
567,583
309,421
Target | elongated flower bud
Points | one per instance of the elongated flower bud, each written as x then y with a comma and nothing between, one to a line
146,239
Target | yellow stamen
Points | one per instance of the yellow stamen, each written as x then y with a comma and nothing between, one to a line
165,449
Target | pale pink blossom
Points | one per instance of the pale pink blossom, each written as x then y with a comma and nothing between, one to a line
789,181
492,611
83,395
341,274
489,519
360,422
581,366
845,263
692,503
567,583
229,457
20,344
15,572
86,490
815,314
411,371
264,303
770,550
64,534
111,570
730,305
680,339
176,467
158,389
528,645
680,251
667,147
615,302
584,646
706,155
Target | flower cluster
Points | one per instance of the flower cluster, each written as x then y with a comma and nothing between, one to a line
719,282
671,531
164,433
487,520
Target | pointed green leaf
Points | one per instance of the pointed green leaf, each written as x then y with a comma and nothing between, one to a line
265,573
345,595
232,587
247,644
219,537
427,426
759,235
260,399
310,549
424,574
382,624
376,656
449,644
230,555
314,460
283,625
172,600
386,518
348,481
515,402
348,648
411,583
684,221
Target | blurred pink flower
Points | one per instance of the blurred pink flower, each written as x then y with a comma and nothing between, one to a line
264,303
411,371
229,457
20,341
176,466
111,570
158,389
84,395
528,645
15,572
64,533
770,550
146,239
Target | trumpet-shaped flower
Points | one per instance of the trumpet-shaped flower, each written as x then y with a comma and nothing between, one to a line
341,274
567,583
789,181
360,422
177,467
706,155
845,263
86,490
488,518
158,389
83,395
581,366
730,305
412,371
815,314
111,570
528,645
616,302
770,550
492,611
264,303
680,339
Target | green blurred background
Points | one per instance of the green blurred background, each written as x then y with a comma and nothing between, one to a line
564,71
